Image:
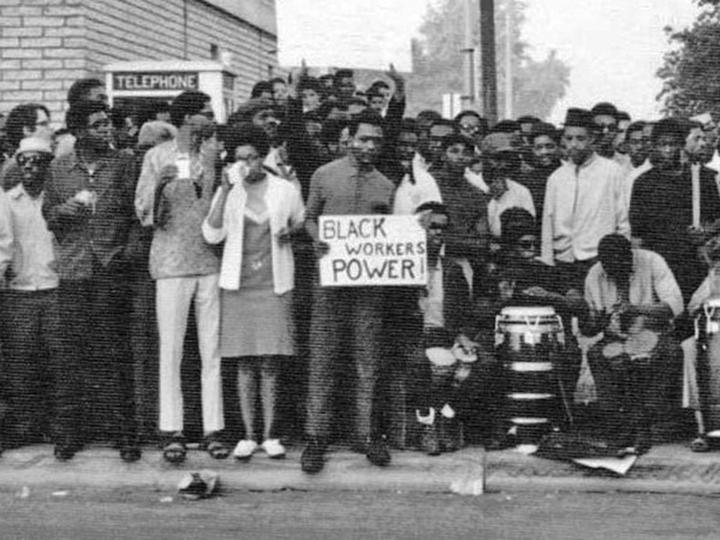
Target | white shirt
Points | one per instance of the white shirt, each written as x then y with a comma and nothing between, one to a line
409,196
516,195
476,179
582,204
26,244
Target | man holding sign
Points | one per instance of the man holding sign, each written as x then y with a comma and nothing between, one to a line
347,318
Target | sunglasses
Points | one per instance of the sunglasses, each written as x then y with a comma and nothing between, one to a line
24,160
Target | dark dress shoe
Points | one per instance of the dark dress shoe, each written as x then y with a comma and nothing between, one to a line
449,434
378,453
312,460
129,449
64,452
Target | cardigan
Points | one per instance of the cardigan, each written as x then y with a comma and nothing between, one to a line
285,208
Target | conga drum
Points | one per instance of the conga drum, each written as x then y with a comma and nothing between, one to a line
530,341
707,332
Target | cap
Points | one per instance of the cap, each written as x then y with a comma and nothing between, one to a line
251,107
34,144
675,127
496,143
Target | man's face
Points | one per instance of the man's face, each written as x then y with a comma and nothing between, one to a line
578,143
342,147
310,99
202,124
498,169
526,247
498,186
617,267
666,152
377,103
99,133
34,166
280,92
42,127
458,157
163,116
97,94
406,147
545,151
346,87
637,145
435,137
469,126
367,143
696,145
267,120
608,128
436,226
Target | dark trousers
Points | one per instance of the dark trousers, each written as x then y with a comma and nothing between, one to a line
94,314
144,347
34,367
476,400
637,392
345,321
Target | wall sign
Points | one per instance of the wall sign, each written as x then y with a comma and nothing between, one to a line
143,81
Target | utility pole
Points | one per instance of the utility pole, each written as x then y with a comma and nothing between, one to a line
468,97
508,60
487,50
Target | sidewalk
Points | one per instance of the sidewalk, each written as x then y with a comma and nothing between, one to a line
666,468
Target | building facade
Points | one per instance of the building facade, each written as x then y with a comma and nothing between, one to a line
45,45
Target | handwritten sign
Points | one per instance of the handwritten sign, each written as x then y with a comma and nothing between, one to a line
372,250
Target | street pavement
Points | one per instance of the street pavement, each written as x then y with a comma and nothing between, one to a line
131,514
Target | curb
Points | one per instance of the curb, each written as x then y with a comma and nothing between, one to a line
666,469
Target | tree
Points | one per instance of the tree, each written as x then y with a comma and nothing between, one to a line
437,62
691,69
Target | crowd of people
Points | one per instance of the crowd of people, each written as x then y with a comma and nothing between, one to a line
114,227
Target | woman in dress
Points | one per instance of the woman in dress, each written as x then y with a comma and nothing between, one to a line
256,214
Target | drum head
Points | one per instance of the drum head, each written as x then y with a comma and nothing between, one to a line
520,312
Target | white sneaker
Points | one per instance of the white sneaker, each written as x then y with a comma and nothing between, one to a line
274,449
245,449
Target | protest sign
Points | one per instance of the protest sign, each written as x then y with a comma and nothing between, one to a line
372,250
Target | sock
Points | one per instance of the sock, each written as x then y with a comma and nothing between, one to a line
447,411
427,420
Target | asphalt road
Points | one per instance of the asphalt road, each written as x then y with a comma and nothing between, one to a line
296,515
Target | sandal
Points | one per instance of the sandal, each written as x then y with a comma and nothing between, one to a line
216,448
700,444
175,451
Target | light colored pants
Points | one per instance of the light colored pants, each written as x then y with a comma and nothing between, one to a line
173,299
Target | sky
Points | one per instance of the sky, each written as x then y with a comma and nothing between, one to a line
613,47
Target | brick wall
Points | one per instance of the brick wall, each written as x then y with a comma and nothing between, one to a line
41,52
46,44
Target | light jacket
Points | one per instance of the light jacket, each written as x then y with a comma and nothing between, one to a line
285,209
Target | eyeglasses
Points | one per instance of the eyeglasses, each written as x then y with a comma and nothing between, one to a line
470,127
97,124
437,227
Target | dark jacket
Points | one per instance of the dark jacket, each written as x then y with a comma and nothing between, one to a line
102,235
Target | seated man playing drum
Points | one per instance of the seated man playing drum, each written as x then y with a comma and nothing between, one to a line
519,279
633,299
446,374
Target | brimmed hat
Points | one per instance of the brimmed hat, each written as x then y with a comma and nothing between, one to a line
34,144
